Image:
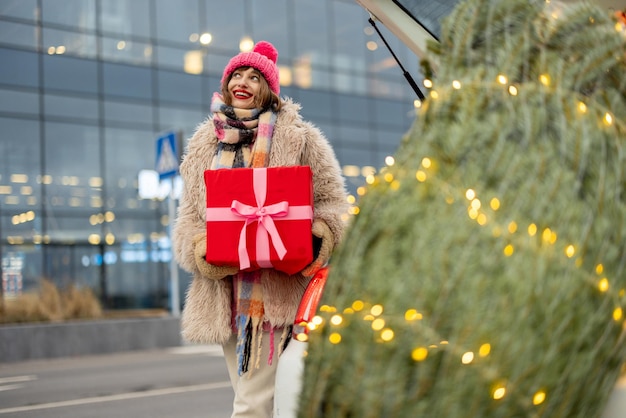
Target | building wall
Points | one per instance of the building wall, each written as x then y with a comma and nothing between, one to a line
86,87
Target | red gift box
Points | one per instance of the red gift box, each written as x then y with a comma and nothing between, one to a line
260,217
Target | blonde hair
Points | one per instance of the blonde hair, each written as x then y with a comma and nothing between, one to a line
264,100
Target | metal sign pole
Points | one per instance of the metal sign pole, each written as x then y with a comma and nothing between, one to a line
174,289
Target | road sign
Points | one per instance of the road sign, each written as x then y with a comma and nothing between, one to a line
166,155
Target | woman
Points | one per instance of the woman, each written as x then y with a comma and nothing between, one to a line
253,127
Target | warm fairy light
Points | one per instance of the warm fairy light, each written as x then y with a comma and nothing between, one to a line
419,354
412,315
389,160
433,94
499,392
599,269
348,311
472,213
618,314
387,334
582,107
481,219
484,350
311,326
317,320
539,397
508,250
494,203
512,227
603,285
608,119
351,199
570,250
546,235
378,324
456,84
327,308
361,191
513,90
334,338
336,319
532,230
467,358
388,177
358,305
470,194
502,79
426,162
444,342
370,179
376,310
354,210
420,176
417,103
302,337
544,79
369,317
475,204
395,185
428,83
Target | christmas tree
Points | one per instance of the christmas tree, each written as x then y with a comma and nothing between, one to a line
485,273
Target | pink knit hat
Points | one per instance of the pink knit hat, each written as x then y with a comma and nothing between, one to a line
263,57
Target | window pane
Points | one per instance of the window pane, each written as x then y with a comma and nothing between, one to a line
71,74
181,88
23,9
127,113
125,17
19,68
132,52
127,152
72,13
70,43
315,105
19,102
188,60
71,107
20,164
353,108
22,266
127,81
349,45
72,160
274,11
18,34
176,23
185,120
226,23
311,18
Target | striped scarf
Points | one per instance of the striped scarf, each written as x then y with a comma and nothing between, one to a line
245,138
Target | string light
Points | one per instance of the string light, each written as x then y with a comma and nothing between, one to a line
419,354
539,398
499,392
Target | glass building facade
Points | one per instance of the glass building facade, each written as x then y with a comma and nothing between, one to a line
87,86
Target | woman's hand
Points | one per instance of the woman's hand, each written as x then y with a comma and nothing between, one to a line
207,270
323,239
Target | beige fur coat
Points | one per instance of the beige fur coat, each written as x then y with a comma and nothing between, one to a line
206,316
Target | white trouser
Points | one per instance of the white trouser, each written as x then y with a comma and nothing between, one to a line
254,390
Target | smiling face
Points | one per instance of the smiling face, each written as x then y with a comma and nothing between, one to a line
244,86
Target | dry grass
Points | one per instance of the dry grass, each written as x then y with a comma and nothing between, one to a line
48,304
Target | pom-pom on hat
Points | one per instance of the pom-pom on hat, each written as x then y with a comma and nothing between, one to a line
263,57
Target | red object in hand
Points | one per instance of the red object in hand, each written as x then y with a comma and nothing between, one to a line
311,298
260,217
